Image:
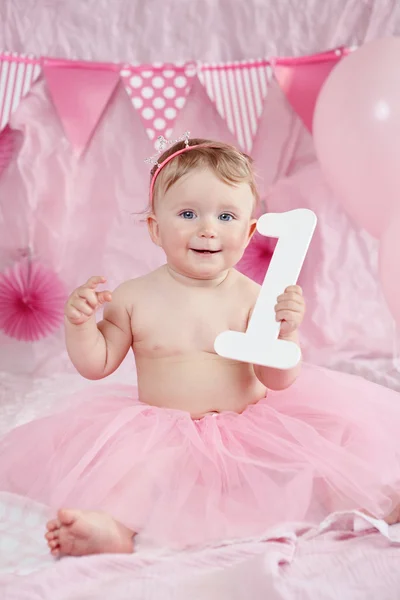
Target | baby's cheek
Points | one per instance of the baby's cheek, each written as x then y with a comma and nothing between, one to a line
177,236
239,237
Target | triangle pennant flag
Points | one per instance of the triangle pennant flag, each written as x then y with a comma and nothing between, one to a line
17,75
80,93
301,81
238,91
158,92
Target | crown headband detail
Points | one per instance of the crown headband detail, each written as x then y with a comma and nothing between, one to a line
163,143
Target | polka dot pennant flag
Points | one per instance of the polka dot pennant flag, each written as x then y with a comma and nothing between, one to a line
158,92
238,91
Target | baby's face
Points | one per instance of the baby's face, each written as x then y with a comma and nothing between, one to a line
203,224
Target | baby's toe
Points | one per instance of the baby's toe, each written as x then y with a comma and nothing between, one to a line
53,524
54,548
56,552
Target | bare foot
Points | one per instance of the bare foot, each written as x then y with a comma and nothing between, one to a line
81,532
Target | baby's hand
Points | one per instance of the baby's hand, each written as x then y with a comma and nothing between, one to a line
290,309
84,301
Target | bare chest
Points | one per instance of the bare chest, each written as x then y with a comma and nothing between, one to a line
185,325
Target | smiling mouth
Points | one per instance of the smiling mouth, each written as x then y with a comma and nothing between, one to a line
205,251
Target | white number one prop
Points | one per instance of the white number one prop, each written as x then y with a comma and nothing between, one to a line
260,344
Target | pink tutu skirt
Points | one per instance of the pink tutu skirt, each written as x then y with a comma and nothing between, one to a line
329,442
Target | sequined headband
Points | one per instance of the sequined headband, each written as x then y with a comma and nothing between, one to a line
162,144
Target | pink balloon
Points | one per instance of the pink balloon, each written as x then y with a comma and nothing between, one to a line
356,131
389,266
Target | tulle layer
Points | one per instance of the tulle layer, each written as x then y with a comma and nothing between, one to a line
329,442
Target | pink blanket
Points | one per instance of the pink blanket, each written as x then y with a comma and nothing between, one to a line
346,557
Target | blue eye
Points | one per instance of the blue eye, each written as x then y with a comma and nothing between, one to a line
187,214
226,217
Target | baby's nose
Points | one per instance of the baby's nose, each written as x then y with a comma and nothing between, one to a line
207,232
206,229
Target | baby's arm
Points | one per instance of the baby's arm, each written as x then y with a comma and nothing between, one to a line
289,311
277,379
97,349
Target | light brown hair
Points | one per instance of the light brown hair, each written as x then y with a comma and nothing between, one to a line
227,162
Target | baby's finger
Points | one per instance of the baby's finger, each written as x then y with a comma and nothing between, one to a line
104,296
73,313
289,305
94,281
81,305
285,315
291,296
294,288
89,295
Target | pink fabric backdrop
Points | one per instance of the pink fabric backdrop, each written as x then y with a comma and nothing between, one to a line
79,216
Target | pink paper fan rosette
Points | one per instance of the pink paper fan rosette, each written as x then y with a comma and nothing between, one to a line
32,301
257,257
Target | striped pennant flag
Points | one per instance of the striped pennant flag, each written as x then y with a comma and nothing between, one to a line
238,91
17,74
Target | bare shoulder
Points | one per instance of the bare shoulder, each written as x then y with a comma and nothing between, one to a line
246,292
247,289
129,292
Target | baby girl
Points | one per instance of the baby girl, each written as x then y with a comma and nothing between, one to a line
205,449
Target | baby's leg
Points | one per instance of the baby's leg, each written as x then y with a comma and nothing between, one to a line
390,519
80,532
394,516
332,503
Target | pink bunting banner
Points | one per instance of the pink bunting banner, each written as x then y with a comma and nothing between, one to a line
158,92
80,93
17,75
81,90
301,80
238,91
